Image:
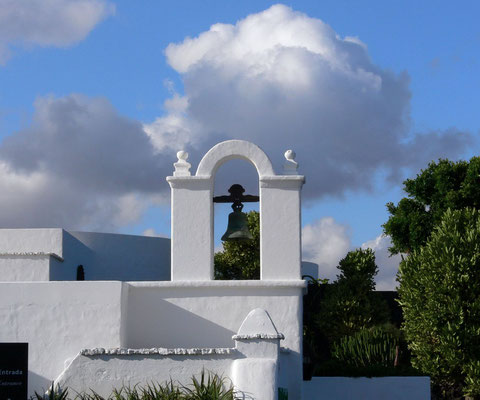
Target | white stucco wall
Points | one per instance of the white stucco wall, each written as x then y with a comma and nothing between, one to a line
58,319
102,373
207,314
25,267
55,254
108,256
214,308
251,366
31,241
29,254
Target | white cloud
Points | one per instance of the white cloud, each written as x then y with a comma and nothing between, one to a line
171,132
48,22
325,242
387,266
284,80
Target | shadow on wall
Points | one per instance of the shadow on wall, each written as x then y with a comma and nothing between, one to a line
35,382
75,253
170,326
107,256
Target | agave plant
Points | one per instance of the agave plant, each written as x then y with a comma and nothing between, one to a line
90,396
167,391
374,346
208,387
54,393
126,393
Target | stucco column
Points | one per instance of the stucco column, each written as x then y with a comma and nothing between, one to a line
280,227
192,228
256,375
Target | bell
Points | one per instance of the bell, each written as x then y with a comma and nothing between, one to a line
237,229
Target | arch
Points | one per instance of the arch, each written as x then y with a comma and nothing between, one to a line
234,149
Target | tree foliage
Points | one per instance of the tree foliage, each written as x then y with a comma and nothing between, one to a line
240,260
442,185
349,304
440,296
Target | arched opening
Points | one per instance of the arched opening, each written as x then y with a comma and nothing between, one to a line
193,214
236,260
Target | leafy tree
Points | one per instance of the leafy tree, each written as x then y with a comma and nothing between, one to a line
440,296
442,185
241,260
350,303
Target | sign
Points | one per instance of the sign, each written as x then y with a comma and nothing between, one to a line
13,371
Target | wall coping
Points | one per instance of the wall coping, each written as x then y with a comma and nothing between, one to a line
264,336
31,254
222,284
120,351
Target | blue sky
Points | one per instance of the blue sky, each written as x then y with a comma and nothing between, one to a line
87,86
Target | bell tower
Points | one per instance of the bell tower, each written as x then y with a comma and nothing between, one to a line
192,213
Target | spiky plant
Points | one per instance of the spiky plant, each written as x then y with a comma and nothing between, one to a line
167,391
54,393
208,387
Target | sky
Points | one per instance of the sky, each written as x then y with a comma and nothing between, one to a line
97,96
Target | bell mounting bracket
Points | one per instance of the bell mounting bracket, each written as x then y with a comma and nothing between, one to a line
236,197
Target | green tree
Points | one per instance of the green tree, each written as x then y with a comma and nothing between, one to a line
350,303
442,185
440,296
240,260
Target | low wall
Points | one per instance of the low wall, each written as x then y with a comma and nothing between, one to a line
391,387
209,313
103,370
252,366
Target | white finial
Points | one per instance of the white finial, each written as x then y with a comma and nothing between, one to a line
182,167
182,155
291,166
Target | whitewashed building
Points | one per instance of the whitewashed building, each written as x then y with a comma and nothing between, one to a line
148,309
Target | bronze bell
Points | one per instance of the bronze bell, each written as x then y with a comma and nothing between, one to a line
237,229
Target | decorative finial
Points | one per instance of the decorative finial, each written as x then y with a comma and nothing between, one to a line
182,166
291,166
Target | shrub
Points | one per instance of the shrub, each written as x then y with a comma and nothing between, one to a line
240,260
350,304
440,295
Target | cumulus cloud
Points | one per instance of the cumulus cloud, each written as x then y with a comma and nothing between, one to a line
325,242
387,266
284,80
48,22
80,165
